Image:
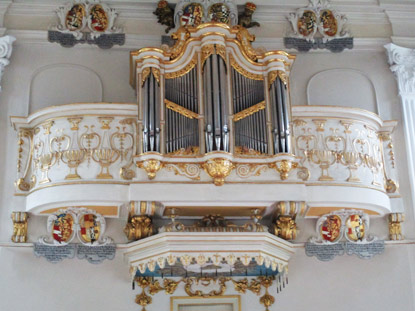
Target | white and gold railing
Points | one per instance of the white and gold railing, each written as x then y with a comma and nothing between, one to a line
86,155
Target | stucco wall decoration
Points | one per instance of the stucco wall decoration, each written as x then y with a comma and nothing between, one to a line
344,231
318,26
5,53
66,224
89,22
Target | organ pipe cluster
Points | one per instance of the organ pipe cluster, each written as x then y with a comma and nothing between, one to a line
215,101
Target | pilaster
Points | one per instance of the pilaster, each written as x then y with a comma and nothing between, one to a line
402,64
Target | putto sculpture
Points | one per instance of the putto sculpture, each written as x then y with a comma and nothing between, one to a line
165,15
245,19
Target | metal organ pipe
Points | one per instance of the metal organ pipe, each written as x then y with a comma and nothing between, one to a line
280,117
250,129
182,129
151,114
216,105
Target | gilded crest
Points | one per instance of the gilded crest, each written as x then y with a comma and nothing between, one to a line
355,228
63,228
307,23
329,22
331,228
219,13
98,18
75,17
90,228
192,15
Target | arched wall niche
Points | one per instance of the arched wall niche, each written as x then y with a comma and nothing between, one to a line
342,87
60,84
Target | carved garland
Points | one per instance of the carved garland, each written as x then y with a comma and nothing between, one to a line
151,287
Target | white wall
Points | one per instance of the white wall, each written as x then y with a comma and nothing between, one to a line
384,283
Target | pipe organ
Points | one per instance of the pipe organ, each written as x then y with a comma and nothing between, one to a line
212,91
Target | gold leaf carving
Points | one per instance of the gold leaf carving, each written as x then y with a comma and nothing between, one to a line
249,111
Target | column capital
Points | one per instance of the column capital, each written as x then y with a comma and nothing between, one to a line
5,52
402,61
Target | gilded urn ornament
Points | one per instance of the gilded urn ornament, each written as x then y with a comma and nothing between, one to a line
218,169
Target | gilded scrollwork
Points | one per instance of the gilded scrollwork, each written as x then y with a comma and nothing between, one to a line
182,72
189,170
205,281
247,74
246,170
151,287
24,158
246,39
181,36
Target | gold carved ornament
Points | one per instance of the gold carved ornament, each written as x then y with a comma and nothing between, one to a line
285,227
247,74
182,72
218,169
273,75
21,182
181,36
209,49
245,39
169,286
19,227
284,167
249,111
144,75
138,227
153,287
189,170
205,281
151,166
395,226
181,110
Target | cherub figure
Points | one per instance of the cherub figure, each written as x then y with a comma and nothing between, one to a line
165,14
245,19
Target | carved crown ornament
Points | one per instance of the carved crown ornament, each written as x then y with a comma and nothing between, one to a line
318,26
89,22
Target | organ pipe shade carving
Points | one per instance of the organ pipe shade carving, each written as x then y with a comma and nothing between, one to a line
212,91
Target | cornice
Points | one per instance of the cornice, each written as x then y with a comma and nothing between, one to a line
134,41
